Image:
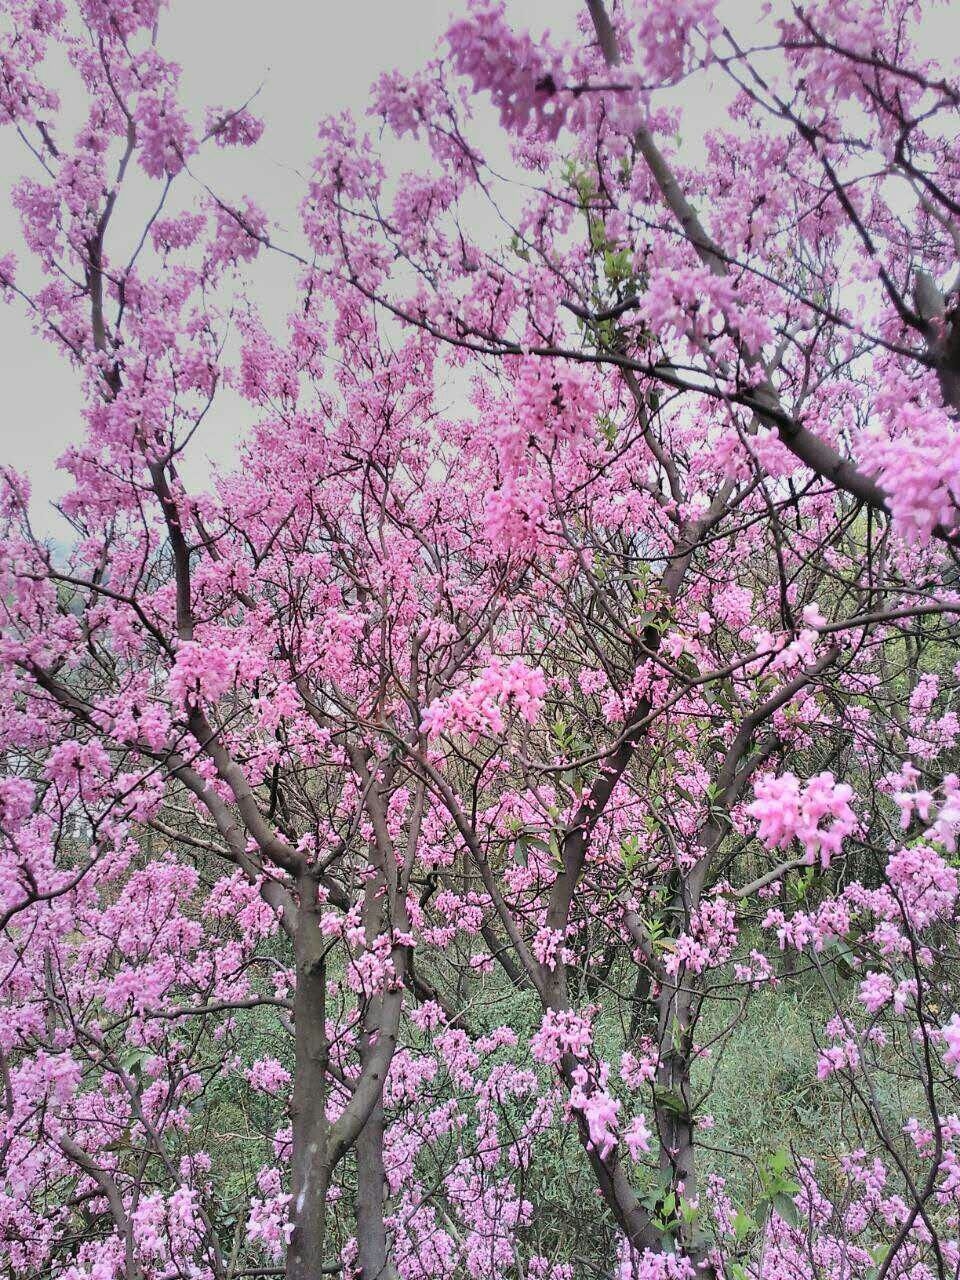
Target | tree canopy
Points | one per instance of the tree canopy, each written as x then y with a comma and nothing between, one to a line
505,824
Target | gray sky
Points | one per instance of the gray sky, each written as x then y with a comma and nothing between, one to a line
312,57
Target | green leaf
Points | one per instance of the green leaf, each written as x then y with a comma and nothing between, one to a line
786,1209
743,1224
133,1060
671,1100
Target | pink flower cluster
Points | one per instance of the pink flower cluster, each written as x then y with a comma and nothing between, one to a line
710,939
553,409
951,1038
599,1110
925,884
662,35
939,809
843,1054
919,467
203,672
561,1033
785,811
480,709
267,1224
519,73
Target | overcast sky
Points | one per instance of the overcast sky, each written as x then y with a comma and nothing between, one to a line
311,57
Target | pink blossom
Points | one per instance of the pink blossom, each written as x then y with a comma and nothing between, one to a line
786,811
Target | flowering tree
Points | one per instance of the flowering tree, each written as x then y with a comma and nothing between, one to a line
398,836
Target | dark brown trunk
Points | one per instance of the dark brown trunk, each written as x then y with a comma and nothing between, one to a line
675,1101
310,1173
373,1250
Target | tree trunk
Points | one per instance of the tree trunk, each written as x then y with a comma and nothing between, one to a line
675,1102
310,1173
373,1251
